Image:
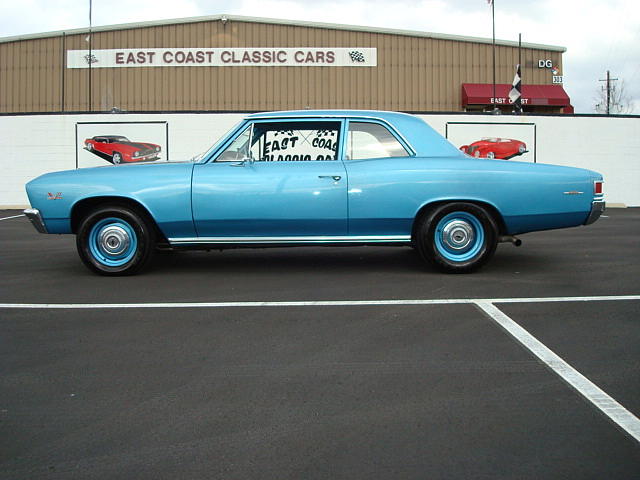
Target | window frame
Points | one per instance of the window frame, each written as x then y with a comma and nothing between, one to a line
252,122
222,144
397,135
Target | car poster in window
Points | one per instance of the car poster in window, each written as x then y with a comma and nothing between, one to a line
120,143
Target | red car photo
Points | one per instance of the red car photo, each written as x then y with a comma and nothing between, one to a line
118,149
501,148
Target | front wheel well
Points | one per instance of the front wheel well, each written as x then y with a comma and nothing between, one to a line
425,209
81,209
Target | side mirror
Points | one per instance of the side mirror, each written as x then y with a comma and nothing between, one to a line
243,162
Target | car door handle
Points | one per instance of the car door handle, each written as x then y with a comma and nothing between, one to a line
335,178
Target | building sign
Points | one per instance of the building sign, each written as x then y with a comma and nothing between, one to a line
507,100
223,57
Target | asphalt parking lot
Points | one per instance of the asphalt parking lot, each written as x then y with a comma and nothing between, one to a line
323,362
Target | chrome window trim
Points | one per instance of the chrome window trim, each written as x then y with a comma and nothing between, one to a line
241,127
381,120
397,135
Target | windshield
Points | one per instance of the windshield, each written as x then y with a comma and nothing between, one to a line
214,147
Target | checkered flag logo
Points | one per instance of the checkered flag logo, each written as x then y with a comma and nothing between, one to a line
356,56
515,95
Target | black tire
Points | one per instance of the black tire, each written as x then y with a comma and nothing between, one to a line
116,158
457,237
115,240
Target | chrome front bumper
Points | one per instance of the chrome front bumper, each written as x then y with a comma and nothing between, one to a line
33,214
597,208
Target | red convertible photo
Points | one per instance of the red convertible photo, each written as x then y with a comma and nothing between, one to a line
118,149
502,148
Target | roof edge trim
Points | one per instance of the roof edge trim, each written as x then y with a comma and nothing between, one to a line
274,21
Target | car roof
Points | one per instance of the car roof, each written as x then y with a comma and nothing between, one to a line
422,138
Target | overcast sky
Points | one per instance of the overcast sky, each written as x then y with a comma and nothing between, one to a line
599,35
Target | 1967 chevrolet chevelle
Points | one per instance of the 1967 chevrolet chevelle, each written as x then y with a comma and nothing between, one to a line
309,178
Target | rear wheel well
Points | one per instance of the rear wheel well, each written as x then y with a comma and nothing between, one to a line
491,210
82,208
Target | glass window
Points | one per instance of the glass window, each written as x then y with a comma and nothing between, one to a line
372,140
238,150
295,141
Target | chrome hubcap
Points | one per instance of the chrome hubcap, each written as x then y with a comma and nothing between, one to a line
114,240
458,235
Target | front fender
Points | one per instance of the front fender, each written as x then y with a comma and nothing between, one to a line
163,189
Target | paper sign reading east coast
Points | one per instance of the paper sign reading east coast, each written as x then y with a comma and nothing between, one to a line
223,57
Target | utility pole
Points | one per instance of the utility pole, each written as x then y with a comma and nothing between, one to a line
608,88
493,22
90,53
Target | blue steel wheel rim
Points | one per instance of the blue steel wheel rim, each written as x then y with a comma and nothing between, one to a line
459,236
112,242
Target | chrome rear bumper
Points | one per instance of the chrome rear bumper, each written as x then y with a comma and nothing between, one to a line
33,214
597,208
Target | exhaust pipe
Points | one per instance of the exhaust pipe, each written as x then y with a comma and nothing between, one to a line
510,238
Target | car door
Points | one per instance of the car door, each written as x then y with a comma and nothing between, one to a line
382,180
275,179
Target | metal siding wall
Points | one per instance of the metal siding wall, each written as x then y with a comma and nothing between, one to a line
413,73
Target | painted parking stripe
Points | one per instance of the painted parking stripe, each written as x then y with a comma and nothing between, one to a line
317,303
612,409
15,216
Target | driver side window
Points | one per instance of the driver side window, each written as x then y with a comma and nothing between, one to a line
239,149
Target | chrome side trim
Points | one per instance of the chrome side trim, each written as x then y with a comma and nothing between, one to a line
597,208
290,240
33,214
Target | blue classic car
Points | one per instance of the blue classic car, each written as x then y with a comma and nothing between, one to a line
314,177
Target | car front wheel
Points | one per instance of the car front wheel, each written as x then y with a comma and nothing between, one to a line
117,158
457,237
115,240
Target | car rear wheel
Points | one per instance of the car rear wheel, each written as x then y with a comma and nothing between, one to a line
115,240
117,158
457,237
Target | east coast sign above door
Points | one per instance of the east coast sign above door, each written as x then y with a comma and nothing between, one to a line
223,57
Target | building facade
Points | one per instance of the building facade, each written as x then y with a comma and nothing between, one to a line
230,63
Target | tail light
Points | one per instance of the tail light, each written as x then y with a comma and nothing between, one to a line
597,187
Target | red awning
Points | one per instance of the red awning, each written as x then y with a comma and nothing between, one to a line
482,94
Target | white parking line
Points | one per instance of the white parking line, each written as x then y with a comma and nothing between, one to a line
317,303
616,412
15,216
612,409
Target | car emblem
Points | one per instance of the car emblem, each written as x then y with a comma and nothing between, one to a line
54,196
